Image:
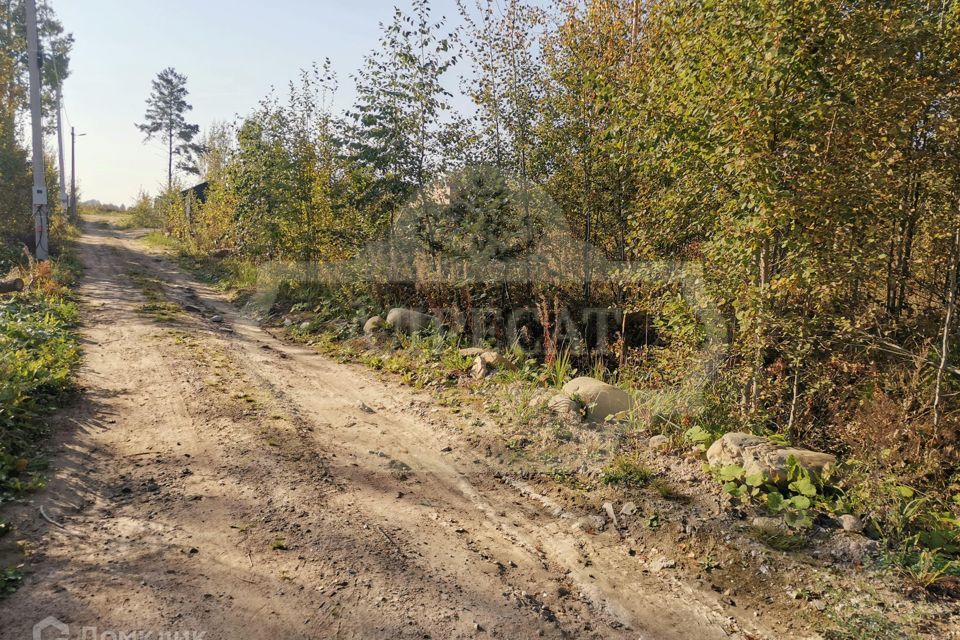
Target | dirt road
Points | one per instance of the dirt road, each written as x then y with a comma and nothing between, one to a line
213,480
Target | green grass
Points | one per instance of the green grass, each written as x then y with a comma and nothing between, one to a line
923,568
10,580
157,306
134,219
871,626
160,240
560,370
626,471
231,274
10,256
160,311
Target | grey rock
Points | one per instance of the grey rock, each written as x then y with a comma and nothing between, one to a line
852,548
489,361
757,454
590,524
304,326
769,524
851,523
373,325
660,563
611,514
471,352
216,318
602,399
628,509
409,321
658,442
562,405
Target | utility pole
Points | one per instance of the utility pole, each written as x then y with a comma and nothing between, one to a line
63,167
73,173
39,196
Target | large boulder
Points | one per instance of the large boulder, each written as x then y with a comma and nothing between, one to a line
757,454
600,398
373,325
409,321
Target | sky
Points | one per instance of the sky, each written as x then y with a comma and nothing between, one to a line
232,52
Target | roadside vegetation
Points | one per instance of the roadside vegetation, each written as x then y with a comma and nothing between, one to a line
805,158
38,347
38,353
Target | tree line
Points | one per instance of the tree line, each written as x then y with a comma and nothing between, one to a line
16,177
805,154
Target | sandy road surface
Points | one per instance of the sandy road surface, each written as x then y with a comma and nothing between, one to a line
213,479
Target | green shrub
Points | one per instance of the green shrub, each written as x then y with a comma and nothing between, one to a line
38,353
10,256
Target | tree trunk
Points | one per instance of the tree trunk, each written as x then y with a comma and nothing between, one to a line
588,220
890,282
795,396
947,321
169,159
763,267
911,226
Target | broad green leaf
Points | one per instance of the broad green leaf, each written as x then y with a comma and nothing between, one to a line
804,487
904,491
731,472
775,502
754,480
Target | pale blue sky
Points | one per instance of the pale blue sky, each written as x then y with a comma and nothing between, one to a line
232,51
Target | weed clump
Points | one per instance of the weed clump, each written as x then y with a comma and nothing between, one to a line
626,471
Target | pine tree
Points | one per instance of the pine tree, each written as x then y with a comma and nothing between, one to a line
166,107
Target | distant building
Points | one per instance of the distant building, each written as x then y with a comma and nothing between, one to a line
196,194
